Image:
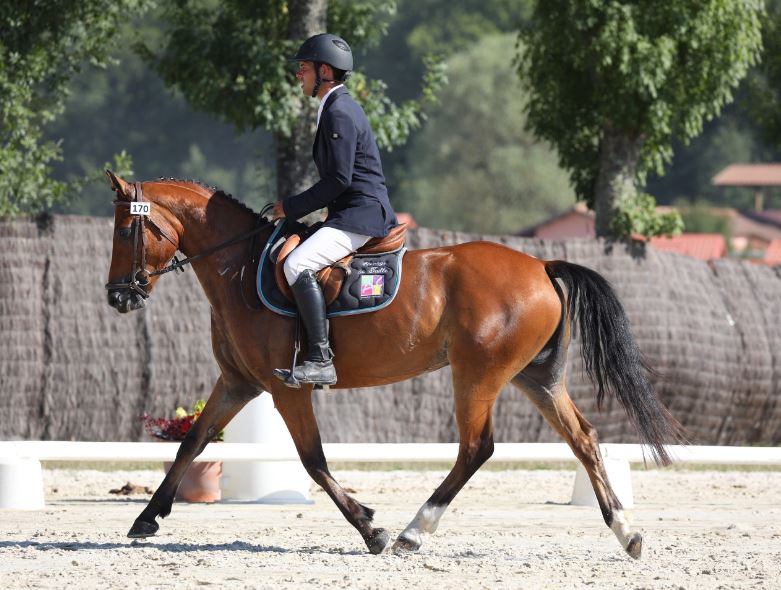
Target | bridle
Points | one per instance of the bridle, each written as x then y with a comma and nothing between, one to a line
139,275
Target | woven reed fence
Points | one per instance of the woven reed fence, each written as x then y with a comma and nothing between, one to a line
73,368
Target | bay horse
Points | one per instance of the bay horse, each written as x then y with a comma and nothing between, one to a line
493,314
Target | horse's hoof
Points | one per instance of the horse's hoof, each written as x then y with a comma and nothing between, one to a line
378,541
407,542
142,529
635,546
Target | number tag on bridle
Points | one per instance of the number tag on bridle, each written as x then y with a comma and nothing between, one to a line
140,208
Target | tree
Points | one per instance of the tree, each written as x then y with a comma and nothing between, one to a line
702,217
613,82
764,83
42,45
229,58
749,130
108,110
724,141
441,28
437,27
474,167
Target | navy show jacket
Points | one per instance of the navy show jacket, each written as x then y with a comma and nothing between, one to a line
352,184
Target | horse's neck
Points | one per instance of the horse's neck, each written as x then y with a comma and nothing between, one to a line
206,223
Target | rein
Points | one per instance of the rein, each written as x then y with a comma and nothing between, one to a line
139,276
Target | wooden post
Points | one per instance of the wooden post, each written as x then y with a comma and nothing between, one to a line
759,199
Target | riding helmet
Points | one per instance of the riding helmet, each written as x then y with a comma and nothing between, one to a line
328,49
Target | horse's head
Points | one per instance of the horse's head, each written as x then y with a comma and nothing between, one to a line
146,237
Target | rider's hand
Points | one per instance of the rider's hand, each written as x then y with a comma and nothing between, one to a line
278,212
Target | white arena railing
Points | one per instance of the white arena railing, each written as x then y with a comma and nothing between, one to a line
376,452
21,480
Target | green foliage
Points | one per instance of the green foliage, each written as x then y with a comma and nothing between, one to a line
701,217
419,31
727,140
474,167
108,110
735,136
42,45
121,165
640,217
649,70
393,123
230,59
363,22
439,28
764,83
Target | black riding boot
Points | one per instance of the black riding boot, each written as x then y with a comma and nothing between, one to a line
318,368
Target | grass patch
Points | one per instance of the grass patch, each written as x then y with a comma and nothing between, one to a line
105,465
706,467
446,466
533,466
415,466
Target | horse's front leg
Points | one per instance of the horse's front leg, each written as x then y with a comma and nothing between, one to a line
295,406
222,406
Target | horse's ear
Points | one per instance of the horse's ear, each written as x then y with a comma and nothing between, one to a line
118,185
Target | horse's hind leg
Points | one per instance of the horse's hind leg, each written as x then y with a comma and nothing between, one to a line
295,407
222,406
474,400
545,388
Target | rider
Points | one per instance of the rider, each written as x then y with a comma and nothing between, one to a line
351,185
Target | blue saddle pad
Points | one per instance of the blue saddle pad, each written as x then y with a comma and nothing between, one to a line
372,284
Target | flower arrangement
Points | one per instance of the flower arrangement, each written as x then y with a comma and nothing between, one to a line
176,428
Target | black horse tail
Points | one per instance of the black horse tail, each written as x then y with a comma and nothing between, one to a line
611,356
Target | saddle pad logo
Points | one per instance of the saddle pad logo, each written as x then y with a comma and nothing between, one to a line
372,285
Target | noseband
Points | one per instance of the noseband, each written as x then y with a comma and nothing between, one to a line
139,275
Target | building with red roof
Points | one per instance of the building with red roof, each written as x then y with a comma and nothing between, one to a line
702,246
751,232
772,254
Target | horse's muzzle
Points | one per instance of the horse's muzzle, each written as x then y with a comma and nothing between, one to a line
125,300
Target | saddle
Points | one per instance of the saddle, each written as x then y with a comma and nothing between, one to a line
331,278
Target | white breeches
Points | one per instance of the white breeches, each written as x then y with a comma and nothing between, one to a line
323,248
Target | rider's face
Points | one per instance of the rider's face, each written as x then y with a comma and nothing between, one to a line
306,76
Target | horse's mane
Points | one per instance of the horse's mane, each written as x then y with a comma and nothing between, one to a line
215,192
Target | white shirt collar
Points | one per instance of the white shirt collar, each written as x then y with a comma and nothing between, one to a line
322,102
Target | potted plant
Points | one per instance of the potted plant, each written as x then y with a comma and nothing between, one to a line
201,481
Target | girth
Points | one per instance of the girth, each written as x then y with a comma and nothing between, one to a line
332,277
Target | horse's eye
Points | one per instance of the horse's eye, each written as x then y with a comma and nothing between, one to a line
124,232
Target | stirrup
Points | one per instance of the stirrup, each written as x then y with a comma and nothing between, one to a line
317,367
286,375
